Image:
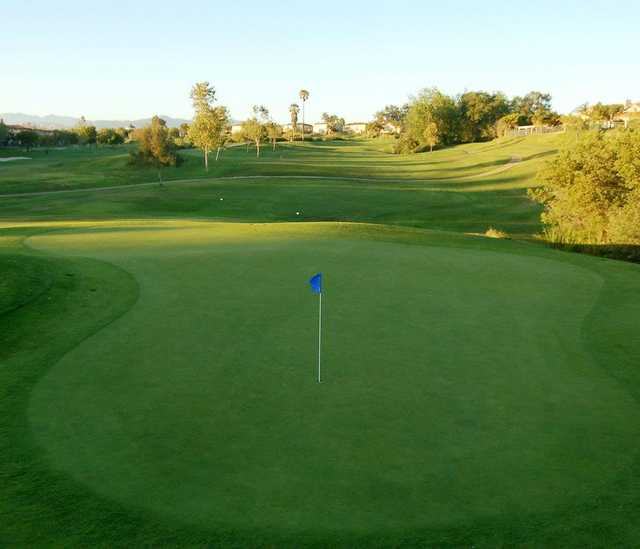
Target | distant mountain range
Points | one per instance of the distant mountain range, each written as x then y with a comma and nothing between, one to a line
55,122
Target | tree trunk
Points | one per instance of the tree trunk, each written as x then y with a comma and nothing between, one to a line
257,148
303,121
273,142
206,159
430,147
217,153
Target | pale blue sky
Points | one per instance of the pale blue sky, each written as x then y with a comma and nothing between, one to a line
133,59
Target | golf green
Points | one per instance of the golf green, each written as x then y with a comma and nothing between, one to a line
462,379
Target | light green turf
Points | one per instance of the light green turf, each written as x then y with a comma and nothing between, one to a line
466,188
86,167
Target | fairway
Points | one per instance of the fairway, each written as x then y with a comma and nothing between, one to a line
455,392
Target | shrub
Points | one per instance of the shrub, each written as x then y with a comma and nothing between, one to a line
155,146
591,191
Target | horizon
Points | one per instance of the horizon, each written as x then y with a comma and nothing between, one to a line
240,54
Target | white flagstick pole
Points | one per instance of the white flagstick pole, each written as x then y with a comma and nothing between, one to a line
319,336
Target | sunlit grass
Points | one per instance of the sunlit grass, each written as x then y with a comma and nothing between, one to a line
93,167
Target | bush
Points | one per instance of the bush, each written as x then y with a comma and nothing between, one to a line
591,191
405,144
155,146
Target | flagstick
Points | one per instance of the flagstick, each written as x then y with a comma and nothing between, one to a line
319,336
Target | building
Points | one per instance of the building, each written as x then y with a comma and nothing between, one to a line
15,128
308,128
390,129
632,112
319,127
356,127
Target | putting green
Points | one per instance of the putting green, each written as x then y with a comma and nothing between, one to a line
460,383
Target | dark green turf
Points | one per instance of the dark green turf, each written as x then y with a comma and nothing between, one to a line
454,410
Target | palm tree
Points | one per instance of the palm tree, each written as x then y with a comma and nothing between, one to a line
304,95
294,110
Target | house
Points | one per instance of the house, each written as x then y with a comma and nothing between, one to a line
390,129
15,128
580,113
356,127
308,128
632,112
237,127
319,127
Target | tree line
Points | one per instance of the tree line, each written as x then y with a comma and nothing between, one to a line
433,118
82,134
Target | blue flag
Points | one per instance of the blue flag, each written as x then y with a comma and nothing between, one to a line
316,283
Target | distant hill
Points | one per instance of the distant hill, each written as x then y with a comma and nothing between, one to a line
55,122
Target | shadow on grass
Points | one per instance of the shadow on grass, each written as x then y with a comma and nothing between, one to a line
543,154
622,252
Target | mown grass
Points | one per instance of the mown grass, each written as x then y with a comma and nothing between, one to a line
195,418
156,367
78,167
461,188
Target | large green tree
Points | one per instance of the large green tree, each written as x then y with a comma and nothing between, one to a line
335,124
155,146
479,113
208,131
534,108
431,106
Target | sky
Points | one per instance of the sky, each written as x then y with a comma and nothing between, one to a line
127,60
